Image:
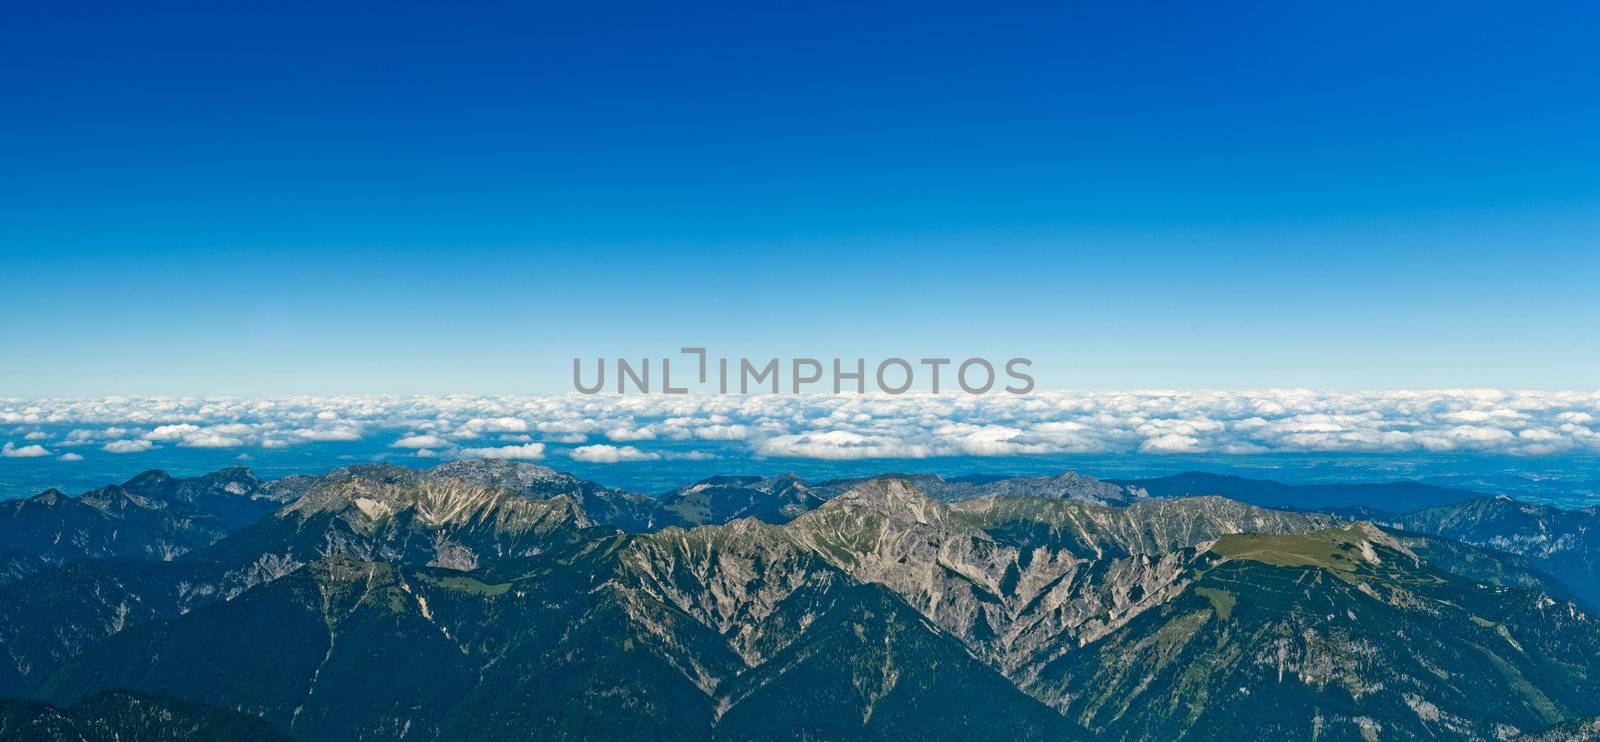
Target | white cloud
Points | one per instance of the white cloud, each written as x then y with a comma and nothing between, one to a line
420,441
70,457
1170,443
601,453
327,434
851,426
625,434
721,432
690,456
12,451
839,444
210,440
476,426
171,432
524,451
240,429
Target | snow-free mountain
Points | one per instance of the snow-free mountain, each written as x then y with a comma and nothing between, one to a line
495,599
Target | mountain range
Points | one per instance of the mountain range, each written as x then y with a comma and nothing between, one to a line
498,599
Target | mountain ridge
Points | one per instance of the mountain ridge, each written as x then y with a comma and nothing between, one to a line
455,602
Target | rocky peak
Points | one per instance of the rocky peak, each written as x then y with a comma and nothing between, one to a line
234,475
1073,482
151,480
626,510
50,497
498,472
1068,485
883,524
113,499
433,502
291,488
694,488
440,522
235,481
931,485
726,480
722,499
895,497
785,484
384,472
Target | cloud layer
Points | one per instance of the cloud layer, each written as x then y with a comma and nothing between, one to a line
605,429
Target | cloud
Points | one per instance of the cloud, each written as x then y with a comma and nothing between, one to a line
910,426
839,444
721,432
478,426
189,435
327,434
69,457
210,440
1171,443
624,434
420,441
601,453
524,451
166,433
12,451
690,456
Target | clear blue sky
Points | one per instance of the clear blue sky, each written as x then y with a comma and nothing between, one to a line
243,198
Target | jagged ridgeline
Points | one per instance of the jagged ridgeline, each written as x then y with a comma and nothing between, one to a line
492,599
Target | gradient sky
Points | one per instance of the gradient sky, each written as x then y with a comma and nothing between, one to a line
269,198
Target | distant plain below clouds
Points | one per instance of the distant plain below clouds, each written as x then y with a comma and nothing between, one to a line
610,429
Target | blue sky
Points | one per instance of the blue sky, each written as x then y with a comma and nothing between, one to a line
230,198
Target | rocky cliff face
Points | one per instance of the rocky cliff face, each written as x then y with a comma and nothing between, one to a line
1022,580
628,511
